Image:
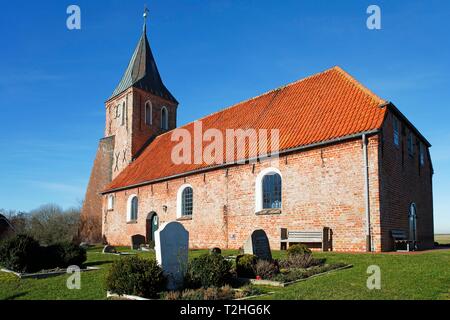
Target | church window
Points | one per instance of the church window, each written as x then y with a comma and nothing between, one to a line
185,201
124,113
148,113
268,191
111,202
164,118
132,208
396,131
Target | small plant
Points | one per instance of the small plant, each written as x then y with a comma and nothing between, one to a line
266,269
136,276
208,270
298,249
246,266
297,261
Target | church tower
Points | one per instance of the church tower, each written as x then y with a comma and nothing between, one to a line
139,109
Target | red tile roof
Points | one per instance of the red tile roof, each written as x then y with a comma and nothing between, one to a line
322,107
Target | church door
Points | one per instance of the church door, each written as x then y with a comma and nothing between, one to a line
152,225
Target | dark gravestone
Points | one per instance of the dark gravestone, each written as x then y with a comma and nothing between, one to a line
215,250
258,245
109,249
136,241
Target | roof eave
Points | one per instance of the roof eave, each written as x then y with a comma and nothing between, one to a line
221,166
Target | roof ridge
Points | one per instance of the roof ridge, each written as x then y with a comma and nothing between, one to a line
359,85
254,98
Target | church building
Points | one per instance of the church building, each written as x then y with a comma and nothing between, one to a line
344,160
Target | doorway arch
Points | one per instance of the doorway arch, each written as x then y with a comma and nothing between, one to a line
152,224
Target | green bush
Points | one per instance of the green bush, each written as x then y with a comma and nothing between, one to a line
136,276
21,254
298,249
246,266
208,270
73,254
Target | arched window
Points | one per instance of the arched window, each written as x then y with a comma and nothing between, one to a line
164,118
132,208
413,222
185,201
268,191
124,113
111,202
148,113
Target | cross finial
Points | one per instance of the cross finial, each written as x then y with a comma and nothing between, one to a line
145,17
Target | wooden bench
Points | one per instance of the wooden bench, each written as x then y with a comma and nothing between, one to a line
292,236
400,238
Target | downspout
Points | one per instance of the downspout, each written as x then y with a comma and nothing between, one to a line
366,192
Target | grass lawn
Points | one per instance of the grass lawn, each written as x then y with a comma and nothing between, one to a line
403,276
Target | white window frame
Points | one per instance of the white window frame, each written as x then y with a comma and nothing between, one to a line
259,187
148,104
110,202
130,199
180,200
164,122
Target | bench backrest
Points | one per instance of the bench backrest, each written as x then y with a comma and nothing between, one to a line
306,236
399,234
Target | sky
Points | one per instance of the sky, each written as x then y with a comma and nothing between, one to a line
211,54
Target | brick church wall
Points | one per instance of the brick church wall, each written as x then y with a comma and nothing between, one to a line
322,187
404,181
91,212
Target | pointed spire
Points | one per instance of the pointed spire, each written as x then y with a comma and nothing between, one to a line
142,71
145,18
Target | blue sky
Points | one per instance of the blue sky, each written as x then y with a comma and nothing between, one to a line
211,54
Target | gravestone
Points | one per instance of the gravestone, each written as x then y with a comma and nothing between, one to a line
171,246
215,250
109,249
258,245
136,241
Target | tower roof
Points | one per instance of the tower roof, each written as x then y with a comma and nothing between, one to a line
143,73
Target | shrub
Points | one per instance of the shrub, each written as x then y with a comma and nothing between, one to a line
246,266
73,254
21,254
136,276
266,269
297,261
298,249
208,270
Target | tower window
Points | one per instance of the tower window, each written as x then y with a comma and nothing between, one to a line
124,111
164,118
148,113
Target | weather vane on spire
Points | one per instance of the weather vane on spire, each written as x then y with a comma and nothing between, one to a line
145,16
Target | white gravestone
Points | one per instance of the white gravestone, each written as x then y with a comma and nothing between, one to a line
171,246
